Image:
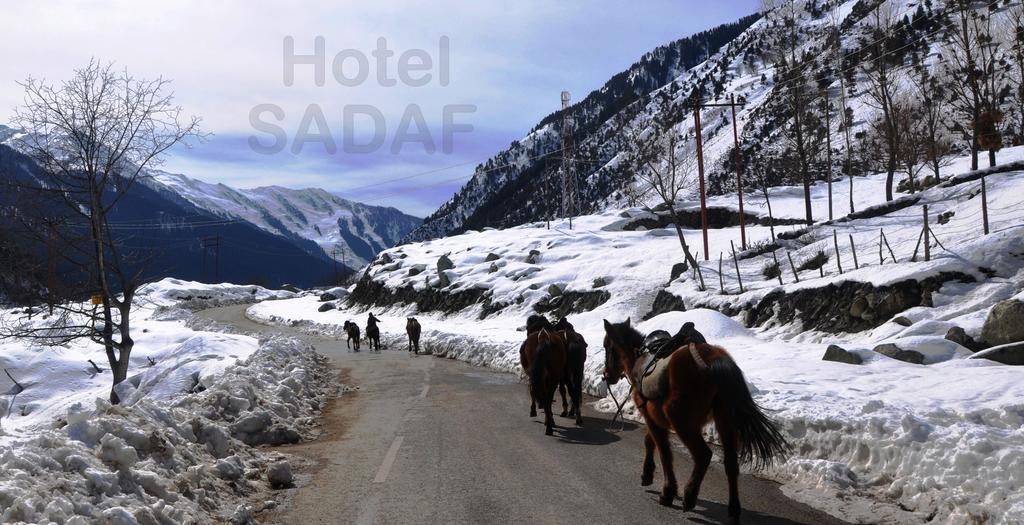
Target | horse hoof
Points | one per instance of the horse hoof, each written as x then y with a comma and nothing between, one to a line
533,413
646,480
579,422
564,414
549,432
666,499
689,502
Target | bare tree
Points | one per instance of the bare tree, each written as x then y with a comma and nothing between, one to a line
1011,35
654,153
835,21
93,136
882,74
971,62
931,115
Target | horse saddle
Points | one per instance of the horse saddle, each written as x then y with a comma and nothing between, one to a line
651,368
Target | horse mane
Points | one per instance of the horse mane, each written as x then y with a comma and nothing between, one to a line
627,336
538,322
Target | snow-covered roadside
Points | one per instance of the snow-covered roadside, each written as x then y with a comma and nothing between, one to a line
179,449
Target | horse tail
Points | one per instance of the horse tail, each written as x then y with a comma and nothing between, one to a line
537,371
760,441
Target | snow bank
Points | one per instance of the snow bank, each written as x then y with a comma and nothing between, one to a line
184,459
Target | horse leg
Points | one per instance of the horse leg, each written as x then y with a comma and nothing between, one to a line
549,419
727,432
565,405
577,401
647,474
692,437
671,488
533,404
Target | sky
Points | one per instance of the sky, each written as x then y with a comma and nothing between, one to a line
369,133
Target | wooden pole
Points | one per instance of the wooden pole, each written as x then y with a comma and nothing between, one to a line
984,205
927,240
721,280
739,173
913,258
776,259
891,254
881,236
853,248
835,241
796,276
737,263
700,172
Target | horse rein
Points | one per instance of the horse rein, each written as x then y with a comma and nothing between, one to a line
692,347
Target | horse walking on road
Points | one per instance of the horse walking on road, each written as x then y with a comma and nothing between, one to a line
545,356
352,331
372,332
703,384
412,329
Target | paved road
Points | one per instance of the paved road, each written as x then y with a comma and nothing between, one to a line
429,440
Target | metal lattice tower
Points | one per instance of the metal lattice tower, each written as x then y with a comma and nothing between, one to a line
570,191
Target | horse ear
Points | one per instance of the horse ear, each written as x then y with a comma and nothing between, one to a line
627,321
607,325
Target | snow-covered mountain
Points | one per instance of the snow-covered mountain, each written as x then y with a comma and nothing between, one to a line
348,231
761,62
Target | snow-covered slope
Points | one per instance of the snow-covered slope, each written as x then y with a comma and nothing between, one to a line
348,231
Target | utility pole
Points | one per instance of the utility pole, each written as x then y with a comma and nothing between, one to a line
212,241
697,105
700,171
739,172
828,150
569,188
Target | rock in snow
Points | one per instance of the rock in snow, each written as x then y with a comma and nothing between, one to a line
840,355
279,474
1005,323
895,352
1009,354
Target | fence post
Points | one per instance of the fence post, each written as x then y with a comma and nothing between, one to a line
853,248
835,241
881,235
792,266
737,263
927,242
984,205
721,280
893,255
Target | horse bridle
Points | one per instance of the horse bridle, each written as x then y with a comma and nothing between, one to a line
608,386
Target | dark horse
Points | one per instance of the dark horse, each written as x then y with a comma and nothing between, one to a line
704,384
412,329
372,332
352,331
544,355
572,376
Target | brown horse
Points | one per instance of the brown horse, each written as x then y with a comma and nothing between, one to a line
576,356
352,331
412,329
544,355
704,384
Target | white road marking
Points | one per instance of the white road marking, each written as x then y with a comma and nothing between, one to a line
389,461
423,394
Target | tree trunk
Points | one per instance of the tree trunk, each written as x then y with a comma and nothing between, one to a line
682,242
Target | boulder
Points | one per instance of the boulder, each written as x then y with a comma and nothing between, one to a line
1004,324
493,268
230,468
554,290
677,270
443,280
945,216
444,263
326,307
533,257
1009,354
859,306
328,296
902,321
416,270
839,355
291,288
491,257
600,282
960,337
897,353
279,474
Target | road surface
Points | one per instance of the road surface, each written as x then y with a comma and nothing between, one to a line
431,440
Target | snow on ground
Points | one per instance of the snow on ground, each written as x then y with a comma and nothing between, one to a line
177,449
887,441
